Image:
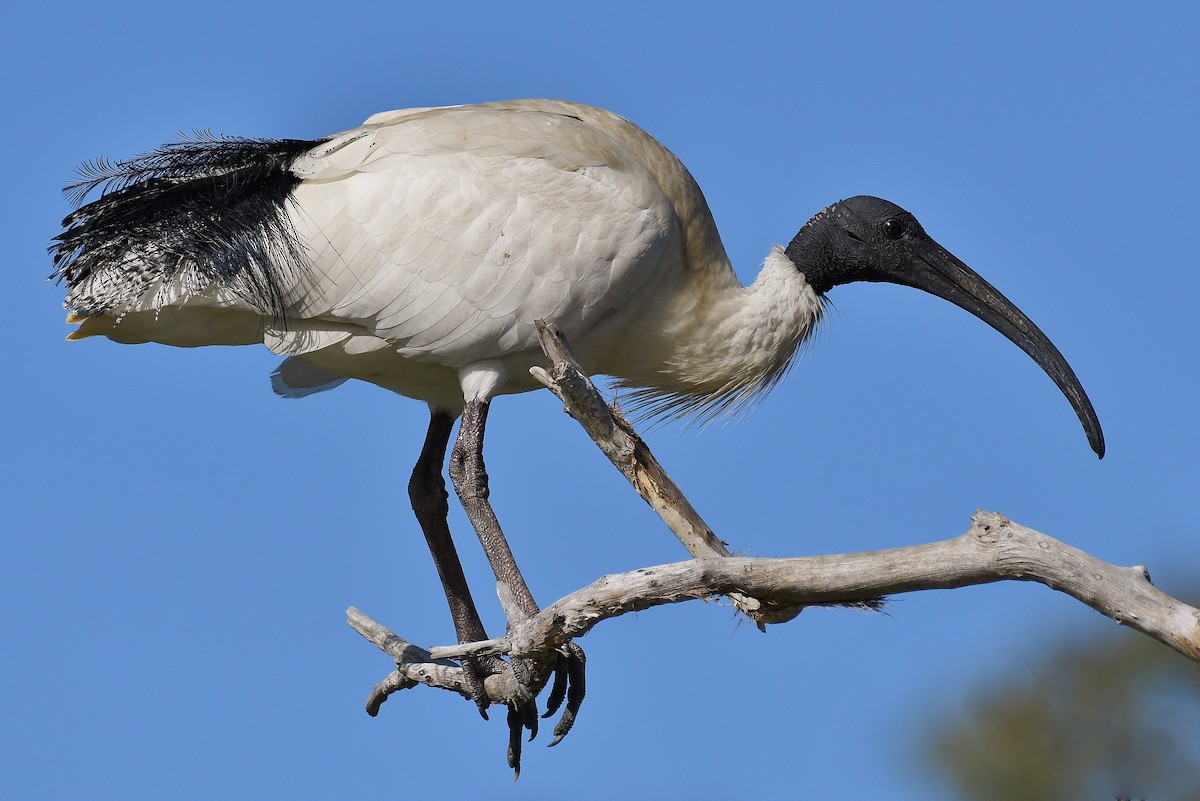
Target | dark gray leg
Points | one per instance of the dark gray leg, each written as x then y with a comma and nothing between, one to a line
471,482
427,491
470,479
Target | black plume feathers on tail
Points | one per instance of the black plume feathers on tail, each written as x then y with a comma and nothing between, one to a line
195,213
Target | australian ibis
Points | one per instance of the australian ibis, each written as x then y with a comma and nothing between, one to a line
417,251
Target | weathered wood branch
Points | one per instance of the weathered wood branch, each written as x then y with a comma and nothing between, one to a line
415,665
993,549
632,457
770,590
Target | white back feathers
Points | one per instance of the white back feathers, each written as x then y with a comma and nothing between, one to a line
430,240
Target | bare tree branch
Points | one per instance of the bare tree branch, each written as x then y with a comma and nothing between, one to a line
631,456
993,549
770,590
415,665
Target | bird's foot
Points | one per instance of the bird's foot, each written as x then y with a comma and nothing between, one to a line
522,680
484,678
475,672
569,685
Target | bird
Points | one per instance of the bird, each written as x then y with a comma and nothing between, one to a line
418,251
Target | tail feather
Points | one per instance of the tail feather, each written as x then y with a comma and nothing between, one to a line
188,216
296,378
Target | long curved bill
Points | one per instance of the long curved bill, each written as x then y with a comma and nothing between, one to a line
940,273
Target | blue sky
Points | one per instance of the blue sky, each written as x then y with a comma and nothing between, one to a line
183,544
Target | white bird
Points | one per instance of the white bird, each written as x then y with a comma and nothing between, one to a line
417,251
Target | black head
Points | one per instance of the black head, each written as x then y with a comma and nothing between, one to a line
861,238
869,239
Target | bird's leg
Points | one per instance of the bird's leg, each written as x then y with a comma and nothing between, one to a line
470,479
471,482
427,491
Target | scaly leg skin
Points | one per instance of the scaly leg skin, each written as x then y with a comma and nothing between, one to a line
470,479
427,492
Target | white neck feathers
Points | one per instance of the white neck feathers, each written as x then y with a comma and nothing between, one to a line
736,345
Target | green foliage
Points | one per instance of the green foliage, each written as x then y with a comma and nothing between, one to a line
1118,718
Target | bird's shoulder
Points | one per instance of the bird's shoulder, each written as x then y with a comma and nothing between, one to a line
553,135
579,159
440,225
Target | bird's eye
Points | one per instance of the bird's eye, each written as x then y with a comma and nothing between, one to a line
893,228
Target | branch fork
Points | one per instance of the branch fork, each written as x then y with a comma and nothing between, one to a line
767,590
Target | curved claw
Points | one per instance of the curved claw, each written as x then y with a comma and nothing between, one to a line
576,662
530,718
569,685
558,690
515,726
520,717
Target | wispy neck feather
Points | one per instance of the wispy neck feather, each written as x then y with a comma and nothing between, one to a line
733,349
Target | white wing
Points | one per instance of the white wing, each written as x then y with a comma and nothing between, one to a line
443,235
